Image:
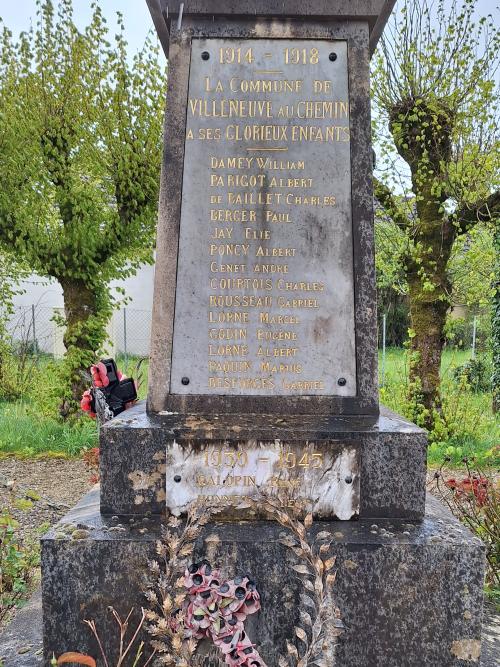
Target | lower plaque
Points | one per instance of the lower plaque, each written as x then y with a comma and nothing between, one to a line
325,475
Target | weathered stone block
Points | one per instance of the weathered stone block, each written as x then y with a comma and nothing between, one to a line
410,594
134,474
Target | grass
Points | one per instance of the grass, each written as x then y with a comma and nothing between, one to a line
473,429
24,433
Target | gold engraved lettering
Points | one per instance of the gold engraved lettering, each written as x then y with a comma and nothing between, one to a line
225,316
227,268
277,351
256,383
270,268
229,366
203,108
253,198
240,301
331,109
314,133
322,86
268,164
263,334
307,459
268,318
290,182
246,181
231,162
225,458
257,234
222,233
299,287
303,385
237,85
237,249
228,215
219,88
296,303
270,367
222,383
241,283
227,334
228,482
209,134
227,350
271,216
310,200
275,252
258,133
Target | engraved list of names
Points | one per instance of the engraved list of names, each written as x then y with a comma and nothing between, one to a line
265,290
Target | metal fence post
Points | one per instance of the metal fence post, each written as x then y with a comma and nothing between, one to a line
33,328
125,337
474,331
384,326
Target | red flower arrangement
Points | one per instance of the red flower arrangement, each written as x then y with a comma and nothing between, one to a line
217,609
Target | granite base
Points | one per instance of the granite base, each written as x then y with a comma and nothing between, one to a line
410,594
393,454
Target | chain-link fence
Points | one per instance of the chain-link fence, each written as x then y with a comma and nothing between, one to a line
35,329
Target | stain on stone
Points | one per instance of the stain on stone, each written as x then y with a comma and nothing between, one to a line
142,480
350,564
467,649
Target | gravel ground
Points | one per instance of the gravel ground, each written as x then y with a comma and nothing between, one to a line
59,482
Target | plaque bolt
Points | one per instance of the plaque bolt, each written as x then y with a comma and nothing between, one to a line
185,380
342,382
205,55
177,478
333,56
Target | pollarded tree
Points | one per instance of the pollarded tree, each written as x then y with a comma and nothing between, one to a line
80,139
436,111
495,323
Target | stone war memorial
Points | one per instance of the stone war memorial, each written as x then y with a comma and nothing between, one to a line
263,398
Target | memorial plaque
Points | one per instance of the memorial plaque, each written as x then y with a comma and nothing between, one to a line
325,474
265,288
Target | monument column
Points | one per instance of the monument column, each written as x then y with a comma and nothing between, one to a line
265,275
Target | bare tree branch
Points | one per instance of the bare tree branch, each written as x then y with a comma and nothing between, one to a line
486,211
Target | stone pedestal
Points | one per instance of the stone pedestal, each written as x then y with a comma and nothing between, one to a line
392,454
410,593
409,585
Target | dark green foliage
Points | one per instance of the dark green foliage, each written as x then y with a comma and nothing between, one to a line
18,557
395,306
476,373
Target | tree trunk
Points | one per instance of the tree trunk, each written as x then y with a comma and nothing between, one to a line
428,318
429,292
87,311
495,324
